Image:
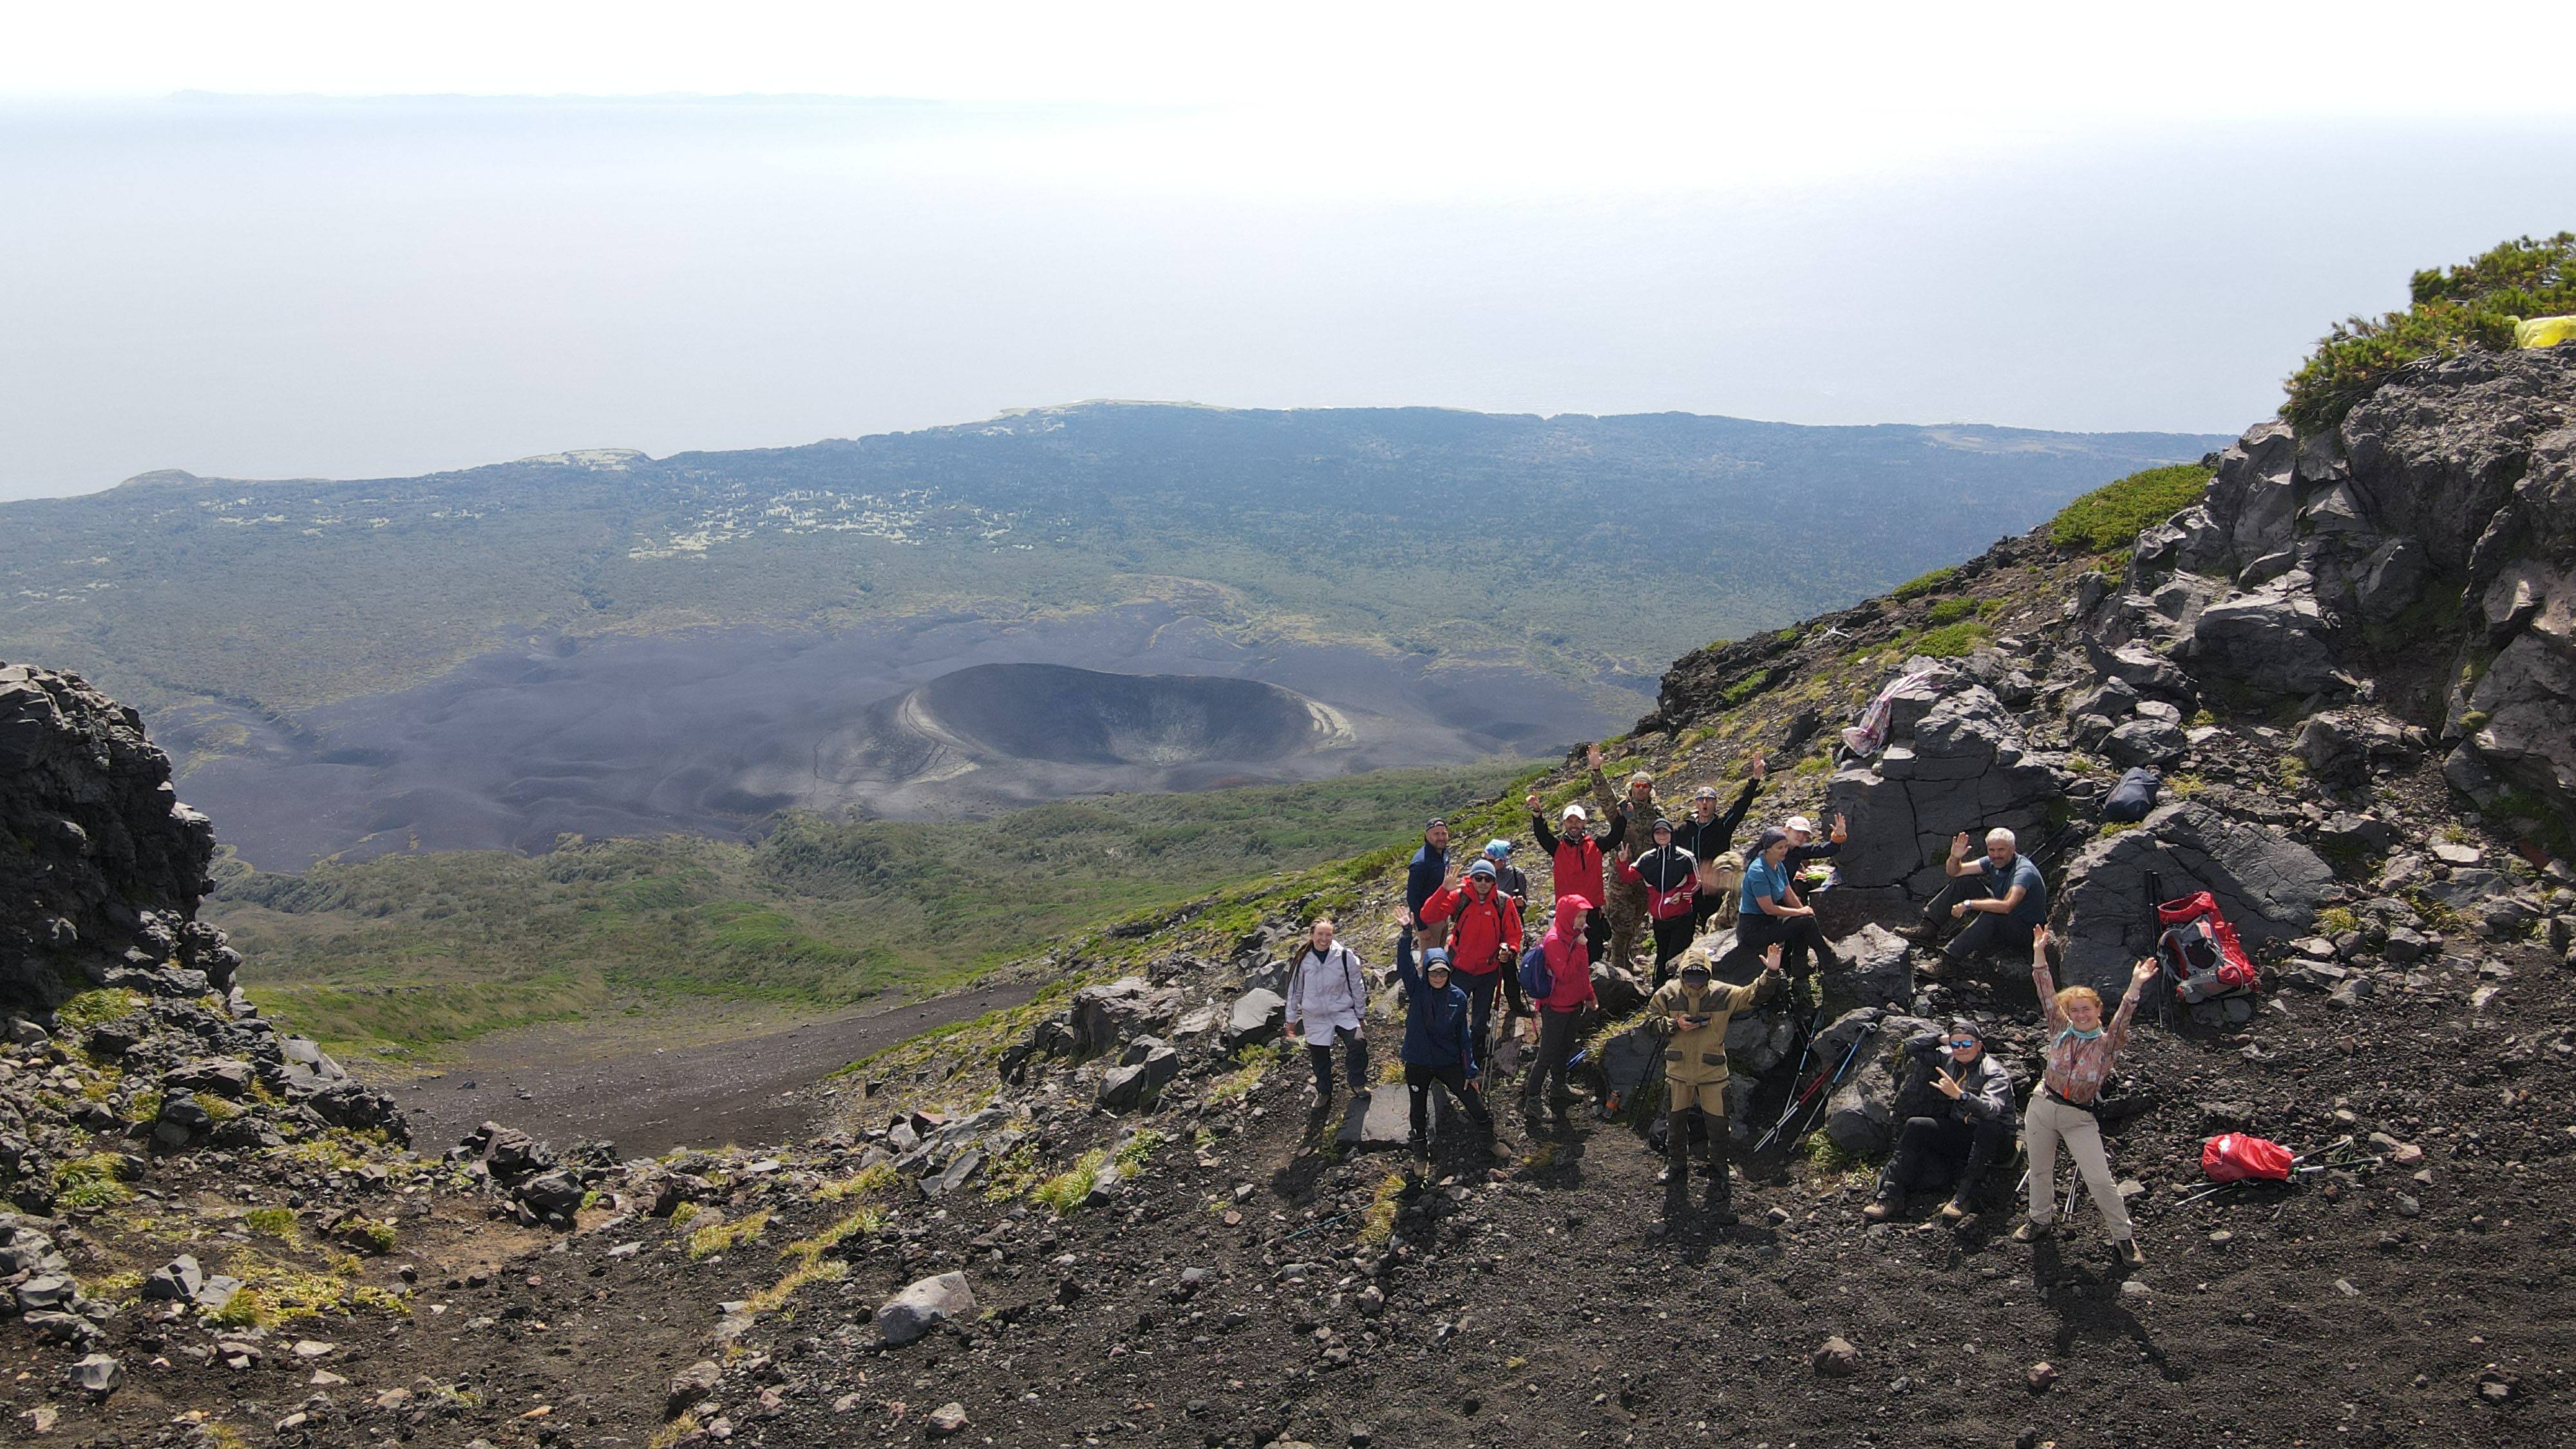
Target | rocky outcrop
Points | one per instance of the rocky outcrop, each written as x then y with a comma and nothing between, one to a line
2268,886
100,865
1955,760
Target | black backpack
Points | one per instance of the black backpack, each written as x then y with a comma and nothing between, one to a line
2135,795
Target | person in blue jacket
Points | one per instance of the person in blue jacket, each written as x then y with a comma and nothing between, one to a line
1439,1041
1423,879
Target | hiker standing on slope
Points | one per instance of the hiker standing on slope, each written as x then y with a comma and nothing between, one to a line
1632,813
1575,859
1484,926
2081,1054
1423,876
1710,838
1956,1108
1440,1045
1694,1012
1327,996
1670,879
1569,968
1511,881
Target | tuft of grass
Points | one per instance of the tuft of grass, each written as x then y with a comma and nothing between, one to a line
1950,641
375,1235
2335,920
866,1182
674,1431
97,1008
277,1222
1252,1063
94,1181
718,1237
1068,1190
1377,1223
1926,583
2108,518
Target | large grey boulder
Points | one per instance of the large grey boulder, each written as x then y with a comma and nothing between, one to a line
179,1280
924,1306
1860,1114
2268,886
2275,640
1124,1089
1105,1016
1879,973
2157,742
1961,766
1255,1018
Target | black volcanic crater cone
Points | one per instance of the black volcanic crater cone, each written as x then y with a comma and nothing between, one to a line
1069,716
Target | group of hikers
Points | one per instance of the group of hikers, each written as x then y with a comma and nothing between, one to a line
1955,1109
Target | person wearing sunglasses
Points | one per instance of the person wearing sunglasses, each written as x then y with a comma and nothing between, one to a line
1956,1111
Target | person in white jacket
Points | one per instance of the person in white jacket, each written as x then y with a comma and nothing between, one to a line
1327,995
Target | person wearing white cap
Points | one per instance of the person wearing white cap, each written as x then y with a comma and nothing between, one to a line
1576,860
1802,837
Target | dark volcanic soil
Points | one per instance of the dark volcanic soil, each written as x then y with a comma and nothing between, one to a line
595,1081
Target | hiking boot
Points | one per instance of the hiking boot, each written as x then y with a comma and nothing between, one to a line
1921,933
1721,1209
2031,1231
1418,1145
1955,1212
2129,1253
1880,1210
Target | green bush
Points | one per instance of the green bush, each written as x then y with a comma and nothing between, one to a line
2450,311
1951,611
2109,517
1950,641
1927,583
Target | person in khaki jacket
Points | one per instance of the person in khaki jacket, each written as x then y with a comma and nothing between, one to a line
1634,810
1694,1010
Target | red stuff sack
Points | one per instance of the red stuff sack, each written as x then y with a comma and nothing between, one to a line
2235,1157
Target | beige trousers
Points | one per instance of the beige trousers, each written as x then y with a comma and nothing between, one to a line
2044,1122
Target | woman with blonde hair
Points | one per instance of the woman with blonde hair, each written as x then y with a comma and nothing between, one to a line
2081,1053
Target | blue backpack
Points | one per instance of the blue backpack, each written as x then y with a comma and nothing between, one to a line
1537,981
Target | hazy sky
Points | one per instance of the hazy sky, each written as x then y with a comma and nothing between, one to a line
275,240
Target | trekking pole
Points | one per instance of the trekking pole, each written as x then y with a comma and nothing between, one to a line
1806,1050
1849,1057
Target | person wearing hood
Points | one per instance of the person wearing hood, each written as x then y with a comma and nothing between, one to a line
1769,910
1956,1111
1440,1042
1484,925
1709,835
1430,865
2082,1051
1569,969
1670,878
1575,859
1693,1011
1634,811
1327,997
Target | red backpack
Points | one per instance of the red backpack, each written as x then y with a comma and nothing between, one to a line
2199,952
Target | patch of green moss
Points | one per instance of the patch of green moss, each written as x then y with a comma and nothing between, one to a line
718,1237
2109,518
1927,583
97,1008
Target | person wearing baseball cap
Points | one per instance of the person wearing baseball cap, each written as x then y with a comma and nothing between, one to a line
1440,1045
1576,859
1802,840
1507,876
1484,926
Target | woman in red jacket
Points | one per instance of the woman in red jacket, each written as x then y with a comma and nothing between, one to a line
1569,968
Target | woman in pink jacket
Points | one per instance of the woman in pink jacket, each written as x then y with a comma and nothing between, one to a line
1569,969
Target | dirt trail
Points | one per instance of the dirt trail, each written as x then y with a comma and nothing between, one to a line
610,1080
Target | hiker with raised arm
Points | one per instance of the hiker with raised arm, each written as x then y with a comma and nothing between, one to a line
1632,813
1327,997
1575,860
1670,879
1560,1008
2082,1052
1709,836
1803,845
1440,1045
1693,1011
1768,911
2000,895
1423,876
1484,926
1955,1116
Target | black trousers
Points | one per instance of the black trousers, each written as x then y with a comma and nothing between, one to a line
1755,931
1417,1082
1480,1006
1945,1151
1555,1048
1672,938
1354,1061
1984,931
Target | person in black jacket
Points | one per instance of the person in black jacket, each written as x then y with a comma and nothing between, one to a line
1957,1113
1440,1045
1670,878
1709,836
1803,846
1422,879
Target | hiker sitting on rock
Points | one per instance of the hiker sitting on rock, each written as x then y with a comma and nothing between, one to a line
1670,878
1576,862
1484,926
1710,838
2081,1053
1802,840
1957,1113
1769,912
1999,894
1327,995
1695,1011
1440,1043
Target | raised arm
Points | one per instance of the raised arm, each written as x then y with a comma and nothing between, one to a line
1734,815
2043,979
2139,976
1404,967
1538,828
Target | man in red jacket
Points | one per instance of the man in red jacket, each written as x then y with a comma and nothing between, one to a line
1484,942
1569,968
1576,860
